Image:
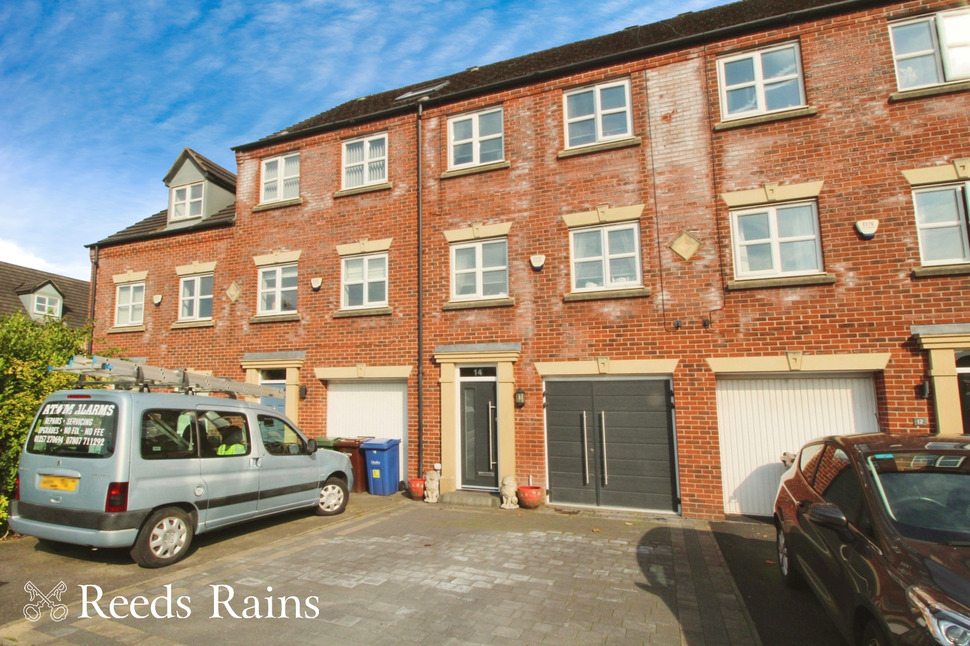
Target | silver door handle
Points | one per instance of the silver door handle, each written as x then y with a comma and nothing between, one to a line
585,450
606,469
491,433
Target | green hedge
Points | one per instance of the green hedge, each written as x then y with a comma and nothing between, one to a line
27,348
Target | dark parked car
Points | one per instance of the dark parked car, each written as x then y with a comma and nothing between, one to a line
879,527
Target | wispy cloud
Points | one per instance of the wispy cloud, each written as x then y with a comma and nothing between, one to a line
100,96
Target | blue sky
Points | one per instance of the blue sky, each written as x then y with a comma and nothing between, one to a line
100,96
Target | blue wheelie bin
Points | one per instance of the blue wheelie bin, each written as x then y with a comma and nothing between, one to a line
381,454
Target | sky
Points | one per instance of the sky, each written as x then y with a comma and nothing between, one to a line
101,96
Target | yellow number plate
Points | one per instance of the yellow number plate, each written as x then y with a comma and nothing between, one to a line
58,483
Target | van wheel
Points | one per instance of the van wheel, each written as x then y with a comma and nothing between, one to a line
163,539
333,498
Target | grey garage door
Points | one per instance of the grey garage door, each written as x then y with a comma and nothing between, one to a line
610,444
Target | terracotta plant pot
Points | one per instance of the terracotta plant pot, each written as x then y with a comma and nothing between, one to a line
529,497
417,488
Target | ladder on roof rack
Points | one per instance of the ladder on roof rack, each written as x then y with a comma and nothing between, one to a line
128,374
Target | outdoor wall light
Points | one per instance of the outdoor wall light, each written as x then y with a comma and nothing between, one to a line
519,398
302,392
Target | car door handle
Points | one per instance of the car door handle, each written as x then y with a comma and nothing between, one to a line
255,462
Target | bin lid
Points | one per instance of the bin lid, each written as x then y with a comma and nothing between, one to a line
328,442
349,442
380,443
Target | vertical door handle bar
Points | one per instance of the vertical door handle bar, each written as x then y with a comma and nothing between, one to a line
606,469
585,450
491,434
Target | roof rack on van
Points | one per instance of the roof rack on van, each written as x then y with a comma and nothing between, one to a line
128,374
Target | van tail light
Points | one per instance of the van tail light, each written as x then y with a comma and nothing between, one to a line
16,488
117,497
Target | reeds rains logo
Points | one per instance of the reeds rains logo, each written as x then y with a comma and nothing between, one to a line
225,604
39,602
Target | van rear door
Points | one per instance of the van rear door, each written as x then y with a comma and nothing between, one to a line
72,453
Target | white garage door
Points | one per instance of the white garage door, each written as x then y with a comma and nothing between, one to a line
761,418
369,408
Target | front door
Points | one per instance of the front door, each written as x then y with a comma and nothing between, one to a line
478,406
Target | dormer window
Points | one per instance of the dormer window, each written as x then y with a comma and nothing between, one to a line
45,305
187,201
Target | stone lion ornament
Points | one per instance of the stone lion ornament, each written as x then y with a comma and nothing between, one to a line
431,486
509,499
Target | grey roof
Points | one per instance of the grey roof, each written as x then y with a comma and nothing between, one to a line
156,226
16,280
685,30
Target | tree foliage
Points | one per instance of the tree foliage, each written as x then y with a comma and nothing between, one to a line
27,348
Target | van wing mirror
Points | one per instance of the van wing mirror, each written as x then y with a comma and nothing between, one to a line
311,446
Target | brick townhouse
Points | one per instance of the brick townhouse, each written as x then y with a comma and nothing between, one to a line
632,270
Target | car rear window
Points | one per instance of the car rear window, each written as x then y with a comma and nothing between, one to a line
76,428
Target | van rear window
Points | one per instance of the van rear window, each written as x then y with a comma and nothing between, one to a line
82,429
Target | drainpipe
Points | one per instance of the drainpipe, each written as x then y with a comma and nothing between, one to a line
95,255
420,322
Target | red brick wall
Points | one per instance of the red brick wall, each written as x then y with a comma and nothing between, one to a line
858,143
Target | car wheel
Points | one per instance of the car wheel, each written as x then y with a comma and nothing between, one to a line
873,635
333,498
786,561
163,539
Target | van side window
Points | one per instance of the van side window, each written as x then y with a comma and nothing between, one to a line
279,438
168,434
225,433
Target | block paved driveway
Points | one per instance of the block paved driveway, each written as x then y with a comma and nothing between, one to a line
408,572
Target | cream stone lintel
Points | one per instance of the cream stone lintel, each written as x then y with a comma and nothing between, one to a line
362,371
944,341
277,258
494,356
606,366
797,361
196,268
603,214
129,277
958,169
291,396
364,246
478,231
772,192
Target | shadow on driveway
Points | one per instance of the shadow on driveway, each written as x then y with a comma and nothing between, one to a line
784,616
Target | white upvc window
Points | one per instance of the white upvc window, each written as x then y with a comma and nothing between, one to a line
932,50
605,257
597,114
277,289
760,82
47,305
364,281
941,220
280,179
365,161
776,241
187,201
195,298
130,304
480,269
475,139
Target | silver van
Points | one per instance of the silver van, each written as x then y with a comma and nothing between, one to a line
148,471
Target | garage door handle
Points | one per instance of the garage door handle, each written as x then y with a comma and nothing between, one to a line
585,450
606,469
